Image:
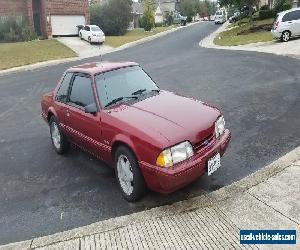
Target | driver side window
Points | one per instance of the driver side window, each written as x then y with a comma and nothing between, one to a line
81,93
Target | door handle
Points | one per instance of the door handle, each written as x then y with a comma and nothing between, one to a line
290,22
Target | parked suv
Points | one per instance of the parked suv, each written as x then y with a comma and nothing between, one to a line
287,25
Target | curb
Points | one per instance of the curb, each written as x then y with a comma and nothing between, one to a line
206,200
208,42
73,59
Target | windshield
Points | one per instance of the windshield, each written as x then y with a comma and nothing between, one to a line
95,28
219,13
125,82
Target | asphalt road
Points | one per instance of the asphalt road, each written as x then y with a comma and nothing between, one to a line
43,193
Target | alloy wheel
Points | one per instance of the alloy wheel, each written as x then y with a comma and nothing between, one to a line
125,174
55,135
286,36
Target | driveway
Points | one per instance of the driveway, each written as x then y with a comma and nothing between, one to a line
43,193
83,48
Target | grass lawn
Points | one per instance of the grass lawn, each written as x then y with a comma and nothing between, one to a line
246,33
133,35
24,53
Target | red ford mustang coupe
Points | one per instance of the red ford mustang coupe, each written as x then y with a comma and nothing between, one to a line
153,138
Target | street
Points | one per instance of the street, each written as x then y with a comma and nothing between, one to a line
44,193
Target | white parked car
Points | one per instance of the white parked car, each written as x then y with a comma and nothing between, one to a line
287,25
92,34
220,17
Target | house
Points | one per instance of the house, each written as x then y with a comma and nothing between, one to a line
161,8
49,17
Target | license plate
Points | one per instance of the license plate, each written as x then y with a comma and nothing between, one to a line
214,163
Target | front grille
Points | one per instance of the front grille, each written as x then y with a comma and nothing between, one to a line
205,142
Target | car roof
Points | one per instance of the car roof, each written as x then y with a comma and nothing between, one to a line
287,11
100,67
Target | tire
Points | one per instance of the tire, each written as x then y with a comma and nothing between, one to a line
285,36
90,41
130,180
80,35
59,141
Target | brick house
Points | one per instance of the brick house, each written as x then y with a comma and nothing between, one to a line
49,17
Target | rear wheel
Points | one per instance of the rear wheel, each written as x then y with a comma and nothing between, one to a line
90,40
286,35
129,176
59,141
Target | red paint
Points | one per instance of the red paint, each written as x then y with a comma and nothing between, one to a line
146,127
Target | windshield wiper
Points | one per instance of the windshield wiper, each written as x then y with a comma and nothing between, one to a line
139,92
114,101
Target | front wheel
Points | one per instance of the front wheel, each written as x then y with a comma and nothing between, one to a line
59,141
286,35
129,176
90,40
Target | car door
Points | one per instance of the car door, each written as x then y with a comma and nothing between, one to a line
296,20
61,100
291,22
84,128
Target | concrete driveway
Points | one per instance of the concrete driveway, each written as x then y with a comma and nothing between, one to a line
83,48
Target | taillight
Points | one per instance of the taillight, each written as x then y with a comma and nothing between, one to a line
276,25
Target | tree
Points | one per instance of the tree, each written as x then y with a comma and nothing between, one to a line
113,16
189,8
148,19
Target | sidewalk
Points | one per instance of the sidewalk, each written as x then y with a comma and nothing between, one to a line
291,48
267,199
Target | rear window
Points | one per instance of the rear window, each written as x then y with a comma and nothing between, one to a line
286,17
219,13
95,28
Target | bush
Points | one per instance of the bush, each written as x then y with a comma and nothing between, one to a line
281,5
159,24
264,7
13,29
148,19
113,16
266,14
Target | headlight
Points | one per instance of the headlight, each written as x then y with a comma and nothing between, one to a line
219,126
175,154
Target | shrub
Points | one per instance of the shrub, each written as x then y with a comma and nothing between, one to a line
13,29
264,7
148,18
265,14
158,24
113,16
281,5
169,19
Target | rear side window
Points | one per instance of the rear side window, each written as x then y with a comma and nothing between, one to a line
62,93
295,15
82,93
286,17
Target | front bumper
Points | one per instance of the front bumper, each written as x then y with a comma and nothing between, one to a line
276,34
168,180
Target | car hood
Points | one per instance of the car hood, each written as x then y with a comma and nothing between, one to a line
173,117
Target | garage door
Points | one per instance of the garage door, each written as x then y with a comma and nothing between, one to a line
65,25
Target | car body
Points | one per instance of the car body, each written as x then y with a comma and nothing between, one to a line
92,34
220,17
179,19
286,25
167,140
236,16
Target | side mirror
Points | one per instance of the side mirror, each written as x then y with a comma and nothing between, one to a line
91,109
